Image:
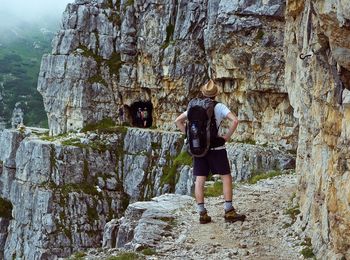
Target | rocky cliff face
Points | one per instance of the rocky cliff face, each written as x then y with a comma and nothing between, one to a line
57,194
110,54
318,88
156,54
62,194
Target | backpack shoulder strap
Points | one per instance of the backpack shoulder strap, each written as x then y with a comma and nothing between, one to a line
213,119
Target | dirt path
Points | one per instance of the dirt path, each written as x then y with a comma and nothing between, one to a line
264,235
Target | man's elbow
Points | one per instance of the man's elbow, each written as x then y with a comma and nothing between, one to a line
178,122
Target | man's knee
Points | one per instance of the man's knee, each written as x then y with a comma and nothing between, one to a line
200,180
226,178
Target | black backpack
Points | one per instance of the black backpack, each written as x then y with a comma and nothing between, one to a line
201,129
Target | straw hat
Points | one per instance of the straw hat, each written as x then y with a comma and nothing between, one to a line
210,89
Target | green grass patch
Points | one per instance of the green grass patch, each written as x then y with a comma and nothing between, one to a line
99,126
5,209
87,188
261,176
287,225
148,251
293,212
307,252
294,195
124,256
114,63
72,142
77,256
169,176
247,141
129,2
183,159
97,79
306,242
47,137
94,145
214,190
107,4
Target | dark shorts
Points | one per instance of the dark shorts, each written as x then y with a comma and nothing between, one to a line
214,162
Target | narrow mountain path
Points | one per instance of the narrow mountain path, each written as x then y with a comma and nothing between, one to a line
266,233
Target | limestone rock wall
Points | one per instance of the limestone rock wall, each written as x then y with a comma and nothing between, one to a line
113,53
318,88
64,192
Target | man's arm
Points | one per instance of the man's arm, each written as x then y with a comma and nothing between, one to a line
180,122
233,123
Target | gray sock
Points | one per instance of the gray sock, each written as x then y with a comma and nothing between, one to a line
228,205
201,208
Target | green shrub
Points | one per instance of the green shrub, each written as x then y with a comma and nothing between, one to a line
72,142
293,212
247,141
77,256
306,242
129,2
114,63
183,159
101,125
148,251
307,252
215,190
261,176
124,256
169,176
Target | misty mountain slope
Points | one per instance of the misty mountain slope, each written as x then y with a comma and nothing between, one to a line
22,45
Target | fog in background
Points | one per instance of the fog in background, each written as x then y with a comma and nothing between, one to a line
16,13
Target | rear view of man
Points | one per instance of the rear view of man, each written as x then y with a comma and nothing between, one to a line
215,160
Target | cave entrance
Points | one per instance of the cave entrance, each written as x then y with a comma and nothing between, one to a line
139,108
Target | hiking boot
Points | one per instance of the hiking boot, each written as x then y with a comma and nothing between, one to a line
204,218
233,216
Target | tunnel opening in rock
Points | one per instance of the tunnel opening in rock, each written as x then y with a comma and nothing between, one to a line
141,113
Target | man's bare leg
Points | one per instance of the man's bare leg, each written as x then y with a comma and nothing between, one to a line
227,186
199,188
230,213
199,193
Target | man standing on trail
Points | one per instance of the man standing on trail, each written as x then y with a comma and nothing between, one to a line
215,160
